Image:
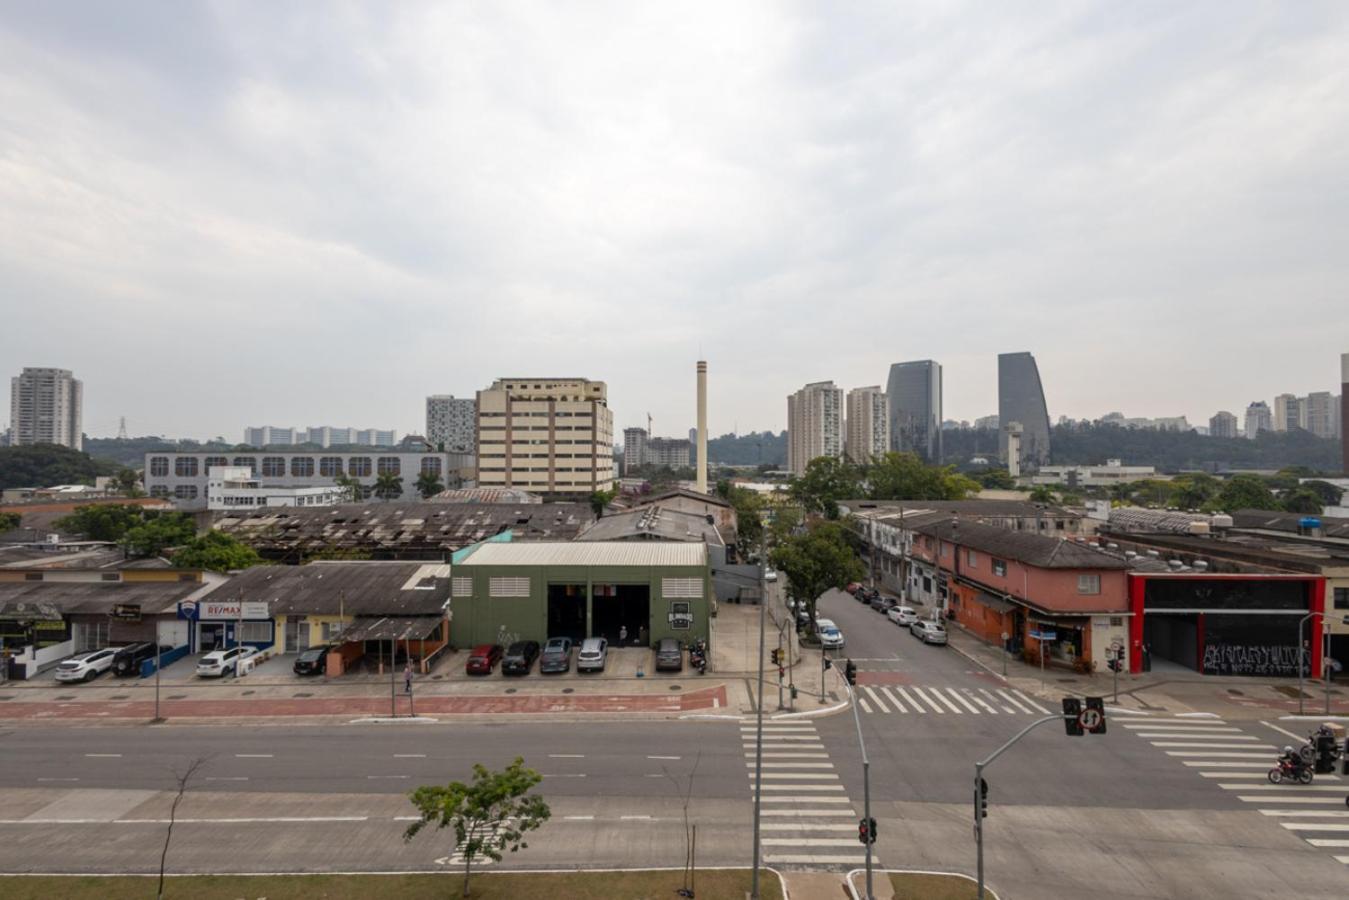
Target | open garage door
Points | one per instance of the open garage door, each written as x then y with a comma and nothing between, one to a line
567,611
1174,638
618,606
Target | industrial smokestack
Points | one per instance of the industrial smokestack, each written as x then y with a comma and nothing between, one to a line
702,427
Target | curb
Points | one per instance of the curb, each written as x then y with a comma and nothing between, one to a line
849,876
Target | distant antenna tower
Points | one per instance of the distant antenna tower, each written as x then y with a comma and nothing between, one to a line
121,428
648,425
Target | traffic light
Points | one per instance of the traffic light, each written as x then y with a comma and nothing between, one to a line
872,824
850,672
1097,704
983,799
828,663
863,831
1072,715
1112,662
776,656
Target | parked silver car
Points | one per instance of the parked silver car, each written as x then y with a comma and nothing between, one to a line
928,631
594,653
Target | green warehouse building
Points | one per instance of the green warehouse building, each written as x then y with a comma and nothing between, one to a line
534,590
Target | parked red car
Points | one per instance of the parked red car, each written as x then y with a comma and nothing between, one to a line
483,658
852,587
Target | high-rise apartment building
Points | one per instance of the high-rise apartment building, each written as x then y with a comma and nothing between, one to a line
814,424
1223,425
914,391
550,436
1288,413
46,406
1021,399
634,449
1344,411
451,422
1258,419
867,424
641,449
1318,413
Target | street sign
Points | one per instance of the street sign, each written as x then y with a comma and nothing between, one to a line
130,612
1090,719
1043,635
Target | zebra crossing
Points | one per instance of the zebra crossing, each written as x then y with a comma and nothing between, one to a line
807,818
1238,762
922,700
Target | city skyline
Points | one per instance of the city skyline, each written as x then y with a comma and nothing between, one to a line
1162,195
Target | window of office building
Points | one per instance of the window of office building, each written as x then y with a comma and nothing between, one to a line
358,466
388,465
431,466
159,465
185,491
185,467
213,462
273,466
302,466
159,490
250,461
330,466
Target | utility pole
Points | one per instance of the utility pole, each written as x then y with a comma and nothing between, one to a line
866,786
758,737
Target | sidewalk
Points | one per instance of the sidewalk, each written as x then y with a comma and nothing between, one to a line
1174,692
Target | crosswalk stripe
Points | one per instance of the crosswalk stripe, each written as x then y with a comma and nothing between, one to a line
1314,826
813,858
1004,695
924,697
937,692
1005,708
749,745
1181,720
750,754
1342,859
798,765
963,702
804,828
786,737
803,813
917,707
876,699
1258,776
814,842
800,787
1226,764
1220,754
1320,842
893,699
980,700
1171,726
1278,787
800,776
1307,813
1187,735
866,708
1214,745
809,800
1043,711
1286,798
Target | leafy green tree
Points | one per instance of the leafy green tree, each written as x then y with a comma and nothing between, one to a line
1244,492
351,488
102,521
827,480
128,482
388,486
489,816
9,521
429,484
1193,491
1043,493
1302,501
43,465
995,480
158,532
1329,494
749,508
216,551
599,500
904,476
785,522
821,558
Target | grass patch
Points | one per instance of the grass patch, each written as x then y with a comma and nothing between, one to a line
731,884
922,886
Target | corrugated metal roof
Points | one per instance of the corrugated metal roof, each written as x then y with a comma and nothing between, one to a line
594,553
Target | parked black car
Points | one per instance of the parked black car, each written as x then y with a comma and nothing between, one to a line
313,661
669,657
882,604
128,660
519,658
866,594
556,656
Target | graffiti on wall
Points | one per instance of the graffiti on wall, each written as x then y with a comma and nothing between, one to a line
1253,659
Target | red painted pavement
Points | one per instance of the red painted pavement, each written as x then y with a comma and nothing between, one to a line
692,701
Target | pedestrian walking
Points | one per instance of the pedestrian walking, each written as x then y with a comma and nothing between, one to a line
622,634
407,678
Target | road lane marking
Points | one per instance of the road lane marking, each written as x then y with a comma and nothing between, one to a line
1183,721
1296,737
899,707
801,787
1193,727
1215,764
1012,700
1259,776
388,776
1285,798
1312,826
802,776
814,858
58,779
1315,842
1005,708
780,726
876,699
798,765
409,756
566,756
863,702
634,818
1187,735
980,700
1278,787
551,775
826,842
1307,813
664,757
751,755
768,746
104,755
1222,754
963,702
226,777
918,692
579,818
803,828
942,697
803,813
786,737
1233,746
1043,711
807,800
917,707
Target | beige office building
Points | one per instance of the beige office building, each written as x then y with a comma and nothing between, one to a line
868,424
550,436
814,424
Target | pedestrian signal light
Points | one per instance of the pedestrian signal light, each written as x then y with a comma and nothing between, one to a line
1072,716
983,799
850,672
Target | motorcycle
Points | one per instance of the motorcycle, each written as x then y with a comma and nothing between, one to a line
698,656
1290,767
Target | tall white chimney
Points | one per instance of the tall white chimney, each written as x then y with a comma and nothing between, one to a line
702,427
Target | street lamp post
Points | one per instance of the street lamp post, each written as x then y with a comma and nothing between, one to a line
1325,659
758,736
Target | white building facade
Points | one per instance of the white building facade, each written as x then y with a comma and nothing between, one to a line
451,422
235,488
814,424
46,406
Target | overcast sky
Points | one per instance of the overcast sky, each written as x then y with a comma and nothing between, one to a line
300,214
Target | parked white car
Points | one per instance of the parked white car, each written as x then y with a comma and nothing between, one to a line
219,663
928,632
902,615
830,637
86,666
593,653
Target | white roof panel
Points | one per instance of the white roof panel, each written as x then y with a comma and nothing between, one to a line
593,553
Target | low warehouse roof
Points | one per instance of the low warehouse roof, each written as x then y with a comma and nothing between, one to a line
593,553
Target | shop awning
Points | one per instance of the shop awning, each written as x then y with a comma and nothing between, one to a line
390,628
997,604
